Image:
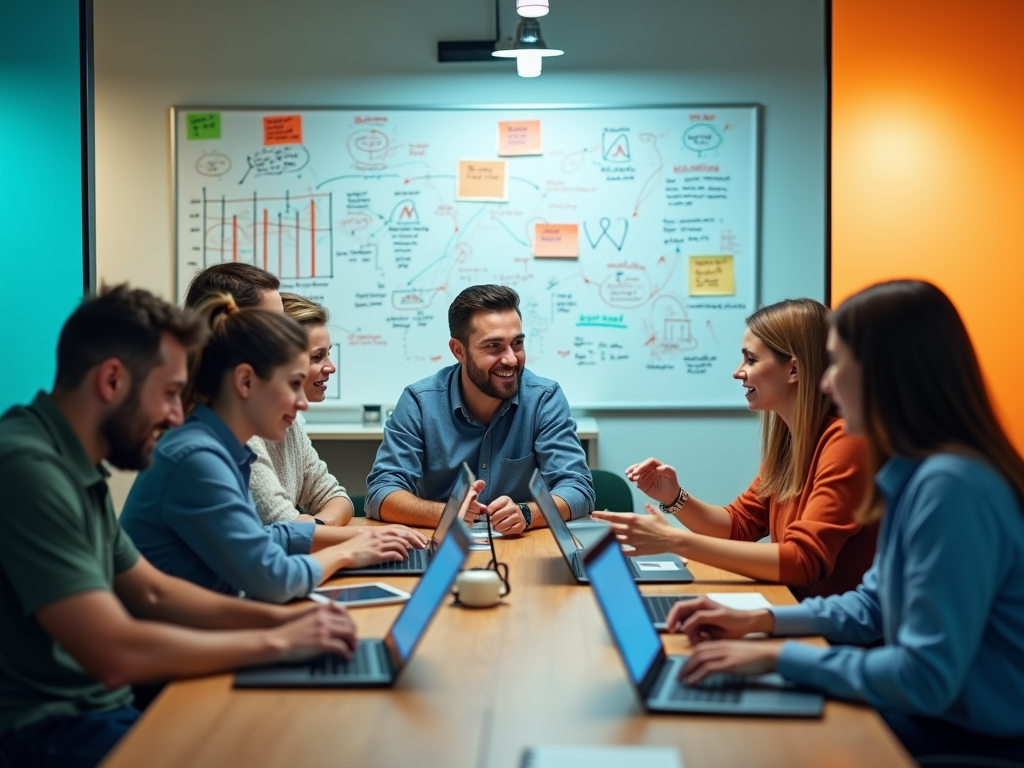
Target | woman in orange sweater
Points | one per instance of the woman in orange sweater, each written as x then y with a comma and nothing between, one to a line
811,481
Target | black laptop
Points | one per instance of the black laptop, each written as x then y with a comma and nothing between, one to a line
653,568
376,663
418,559
655,674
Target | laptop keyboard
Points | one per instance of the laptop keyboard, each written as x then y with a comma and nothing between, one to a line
718,688
333,665
417,559
659,605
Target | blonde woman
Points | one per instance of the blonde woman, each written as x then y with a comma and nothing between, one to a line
811,480
289,481
191,513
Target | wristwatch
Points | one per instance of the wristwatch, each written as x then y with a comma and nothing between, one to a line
527,514
676,505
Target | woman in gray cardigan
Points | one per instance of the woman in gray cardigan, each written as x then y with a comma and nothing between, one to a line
289,480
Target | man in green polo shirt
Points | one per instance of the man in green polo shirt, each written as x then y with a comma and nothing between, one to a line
83,615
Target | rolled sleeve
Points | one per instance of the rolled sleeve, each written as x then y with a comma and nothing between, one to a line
399,461
561,458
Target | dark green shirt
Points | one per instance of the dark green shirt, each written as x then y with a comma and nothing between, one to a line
58,537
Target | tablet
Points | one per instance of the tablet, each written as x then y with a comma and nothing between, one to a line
372,593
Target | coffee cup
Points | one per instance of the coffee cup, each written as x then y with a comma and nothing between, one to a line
479,588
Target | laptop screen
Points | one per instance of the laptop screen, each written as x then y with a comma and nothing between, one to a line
624,611
542,496
427,596
451,509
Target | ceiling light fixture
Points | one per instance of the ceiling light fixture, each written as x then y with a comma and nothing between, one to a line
527,48
532,9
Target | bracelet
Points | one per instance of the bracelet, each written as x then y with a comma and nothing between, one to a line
676,505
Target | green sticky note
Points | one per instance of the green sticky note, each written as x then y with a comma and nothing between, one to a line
202,125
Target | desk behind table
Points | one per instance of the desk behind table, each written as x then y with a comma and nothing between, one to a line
484,685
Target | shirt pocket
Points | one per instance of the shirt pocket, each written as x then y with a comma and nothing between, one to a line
515,467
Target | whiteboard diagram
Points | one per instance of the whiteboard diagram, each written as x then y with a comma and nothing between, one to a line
653,213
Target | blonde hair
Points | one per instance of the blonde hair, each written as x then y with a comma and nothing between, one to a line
793,329
303,310
259,337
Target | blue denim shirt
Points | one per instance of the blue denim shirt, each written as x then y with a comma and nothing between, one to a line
431,433
946,593
192,516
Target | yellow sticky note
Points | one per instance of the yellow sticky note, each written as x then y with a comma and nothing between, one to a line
518,137
485,180
556,240
712,276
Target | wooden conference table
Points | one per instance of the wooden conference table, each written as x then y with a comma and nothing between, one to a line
486,683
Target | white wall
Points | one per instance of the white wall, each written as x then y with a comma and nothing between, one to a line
150,57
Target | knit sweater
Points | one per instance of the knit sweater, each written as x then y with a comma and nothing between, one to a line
822,549
289,477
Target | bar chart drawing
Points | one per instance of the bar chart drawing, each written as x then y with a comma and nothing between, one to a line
291,236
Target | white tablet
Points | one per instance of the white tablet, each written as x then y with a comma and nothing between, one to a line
372,593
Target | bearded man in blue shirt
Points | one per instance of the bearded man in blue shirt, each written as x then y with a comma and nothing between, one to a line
489,411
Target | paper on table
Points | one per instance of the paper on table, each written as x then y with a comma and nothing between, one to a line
740,601
601,757
656,565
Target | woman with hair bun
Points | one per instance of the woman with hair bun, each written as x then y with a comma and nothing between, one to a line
192,514
945,596
811,479
289,480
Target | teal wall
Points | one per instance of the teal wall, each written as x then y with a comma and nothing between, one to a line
40,189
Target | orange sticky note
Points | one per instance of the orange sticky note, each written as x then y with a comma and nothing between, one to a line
485,180
518,137
282,129
556,240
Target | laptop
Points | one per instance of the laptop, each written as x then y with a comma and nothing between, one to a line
654,568
417,560
654,674
376,663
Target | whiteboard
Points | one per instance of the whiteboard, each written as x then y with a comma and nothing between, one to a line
651,214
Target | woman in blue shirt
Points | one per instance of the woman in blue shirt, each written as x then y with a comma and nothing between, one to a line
946,592
191,513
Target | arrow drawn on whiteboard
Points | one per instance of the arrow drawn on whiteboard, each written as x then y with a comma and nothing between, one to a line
711,330
649,186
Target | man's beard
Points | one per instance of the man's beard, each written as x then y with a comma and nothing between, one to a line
127,431
482,380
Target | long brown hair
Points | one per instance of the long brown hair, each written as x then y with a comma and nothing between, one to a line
260,337
793,329
923,391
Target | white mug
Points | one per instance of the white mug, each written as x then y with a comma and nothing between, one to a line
479,588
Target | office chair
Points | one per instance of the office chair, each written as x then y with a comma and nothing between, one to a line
612,491
357,505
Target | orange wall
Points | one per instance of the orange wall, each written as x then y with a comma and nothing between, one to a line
928,165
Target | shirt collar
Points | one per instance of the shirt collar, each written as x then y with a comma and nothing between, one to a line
894,475
240,452
455,396
67,442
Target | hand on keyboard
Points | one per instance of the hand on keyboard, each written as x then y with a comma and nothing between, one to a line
412,539
320,629
740,657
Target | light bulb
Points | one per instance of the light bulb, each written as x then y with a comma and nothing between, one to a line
528,65
531,9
